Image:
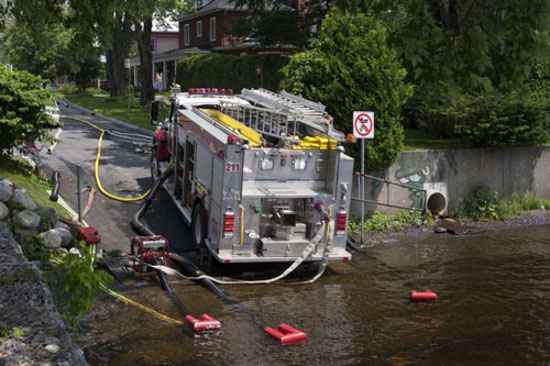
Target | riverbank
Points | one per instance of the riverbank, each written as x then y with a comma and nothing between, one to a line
32,330
456,227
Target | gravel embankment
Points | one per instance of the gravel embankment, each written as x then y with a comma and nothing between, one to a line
27,305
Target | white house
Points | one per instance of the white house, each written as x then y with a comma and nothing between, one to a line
164,39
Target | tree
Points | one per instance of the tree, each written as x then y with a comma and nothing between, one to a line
273,28
272,23
40,38
107,23
350,67
462,46
22,108
42,52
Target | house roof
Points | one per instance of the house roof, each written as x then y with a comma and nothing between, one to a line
219,4
210,7
165,25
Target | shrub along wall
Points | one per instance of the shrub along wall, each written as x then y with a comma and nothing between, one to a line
229,71
492,119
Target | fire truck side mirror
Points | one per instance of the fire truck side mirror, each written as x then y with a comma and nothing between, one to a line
154,113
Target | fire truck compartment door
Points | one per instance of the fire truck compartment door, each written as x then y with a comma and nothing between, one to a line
277,190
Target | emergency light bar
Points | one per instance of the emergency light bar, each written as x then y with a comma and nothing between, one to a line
209,91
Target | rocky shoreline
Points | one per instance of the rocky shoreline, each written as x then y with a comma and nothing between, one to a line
456,227
32,331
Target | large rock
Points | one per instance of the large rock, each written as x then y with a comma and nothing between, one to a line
4,211
62,225
66,236
48,218
4,227
27,219
6,190
22,201
51,239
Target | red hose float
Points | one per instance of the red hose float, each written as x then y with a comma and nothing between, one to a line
286,334
423,296
203,324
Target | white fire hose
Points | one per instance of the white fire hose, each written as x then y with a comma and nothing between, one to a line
323,233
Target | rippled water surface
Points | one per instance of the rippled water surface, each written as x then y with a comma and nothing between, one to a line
494,309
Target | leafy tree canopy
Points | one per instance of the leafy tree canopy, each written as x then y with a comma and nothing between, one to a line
350,67
273,28
42,53
474,45
22,108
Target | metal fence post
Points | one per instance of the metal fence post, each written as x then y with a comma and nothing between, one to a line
78,194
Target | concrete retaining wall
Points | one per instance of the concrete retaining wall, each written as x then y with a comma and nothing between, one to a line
456,172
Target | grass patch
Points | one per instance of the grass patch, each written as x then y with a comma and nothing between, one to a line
115,107
382,222
420,139
20,174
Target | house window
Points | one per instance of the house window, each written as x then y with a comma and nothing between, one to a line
186,36
153,45
199,28
212,29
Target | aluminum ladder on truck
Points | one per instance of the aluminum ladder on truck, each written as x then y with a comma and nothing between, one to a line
264,121
304,111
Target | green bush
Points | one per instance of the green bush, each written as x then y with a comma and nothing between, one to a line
505,120
22,108
350,67
487,119
229,71
34,249
382,222
484,203
480,203
76,282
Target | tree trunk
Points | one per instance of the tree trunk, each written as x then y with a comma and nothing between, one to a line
454,24
146,59
116,56
118,79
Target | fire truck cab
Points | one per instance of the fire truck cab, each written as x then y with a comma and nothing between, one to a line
257,175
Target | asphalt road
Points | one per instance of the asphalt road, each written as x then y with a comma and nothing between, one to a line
123,172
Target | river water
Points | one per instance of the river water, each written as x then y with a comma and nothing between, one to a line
494,309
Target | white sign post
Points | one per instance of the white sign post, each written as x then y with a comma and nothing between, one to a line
363,128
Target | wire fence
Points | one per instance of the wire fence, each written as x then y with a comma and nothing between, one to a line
362,181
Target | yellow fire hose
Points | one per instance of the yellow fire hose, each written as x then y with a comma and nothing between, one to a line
112,196
141,197
146,309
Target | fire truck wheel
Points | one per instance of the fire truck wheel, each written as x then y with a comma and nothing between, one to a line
198,225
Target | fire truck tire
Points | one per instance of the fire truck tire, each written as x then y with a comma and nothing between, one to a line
198,225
